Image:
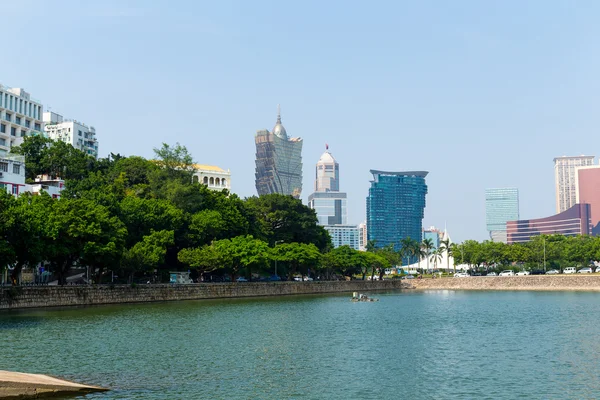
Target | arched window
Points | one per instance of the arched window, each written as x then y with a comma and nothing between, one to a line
212,181
218,182
206,180
224,182
195,179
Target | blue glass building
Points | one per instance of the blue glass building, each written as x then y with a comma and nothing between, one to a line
395,207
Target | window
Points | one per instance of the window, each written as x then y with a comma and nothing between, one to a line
15,189
8,117
2,142
13,131
37,127
18,120
27,123
16,169
80,133
3,167
2,128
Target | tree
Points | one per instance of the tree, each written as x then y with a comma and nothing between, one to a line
175,159
7,251
436,255
206,258
300,256
377,261
242,251
344,260
407,246
147,254
285,219
445,245
427,246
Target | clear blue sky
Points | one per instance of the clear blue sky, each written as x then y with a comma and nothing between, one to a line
479,93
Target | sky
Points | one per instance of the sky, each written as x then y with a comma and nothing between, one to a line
481,94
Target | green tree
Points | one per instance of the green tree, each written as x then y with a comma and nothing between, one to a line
242,252
427,247
447,249
206,258
147,254
299,256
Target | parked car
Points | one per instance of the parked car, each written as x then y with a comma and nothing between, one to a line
552,272
598,269
586,270
274,278
522,273
569,270
408,277
506,272
241,279
461,275
492,274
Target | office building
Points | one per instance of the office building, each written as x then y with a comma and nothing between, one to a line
501,206
278,161
362,246
572,222
213,177
588,191
73,132
433,234
395,206
565,180
344,235
20,115
327,201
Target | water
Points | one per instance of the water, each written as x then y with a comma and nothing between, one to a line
417,345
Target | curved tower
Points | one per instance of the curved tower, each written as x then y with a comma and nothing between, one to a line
327,173
278,161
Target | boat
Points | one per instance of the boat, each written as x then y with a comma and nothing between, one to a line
361,297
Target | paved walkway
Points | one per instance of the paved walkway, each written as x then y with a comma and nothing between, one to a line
19,385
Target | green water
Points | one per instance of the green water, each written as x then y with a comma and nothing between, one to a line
424,345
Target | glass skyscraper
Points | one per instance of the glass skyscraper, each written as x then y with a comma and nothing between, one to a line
395,207
278,161
501,206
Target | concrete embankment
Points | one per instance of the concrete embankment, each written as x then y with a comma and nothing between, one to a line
529,282
15,385
57,296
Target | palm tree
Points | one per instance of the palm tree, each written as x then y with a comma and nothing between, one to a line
445,245
427,246
436,256
406,248
370,247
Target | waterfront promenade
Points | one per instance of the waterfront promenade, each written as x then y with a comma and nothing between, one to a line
19,385
575,282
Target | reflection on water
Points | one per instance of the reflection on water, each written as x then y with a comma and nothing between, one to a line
426,345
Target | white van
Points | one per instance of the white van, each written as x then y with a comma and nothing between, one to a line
569,270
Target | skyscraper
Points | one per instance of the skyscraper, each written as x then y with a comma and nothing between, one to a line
278,161
328,202
565,180
588,192
395,206
501,206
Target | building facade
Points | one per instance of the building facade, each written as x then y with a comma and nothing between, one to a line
328,202
572,222
362,227
501,206
12,174
395,206
565,179
77,134
433,234
213,177
20,115
278,162
344,235
588,191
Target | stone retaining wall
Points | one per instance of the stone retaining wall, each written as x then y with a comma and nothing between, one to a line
575,282
59,296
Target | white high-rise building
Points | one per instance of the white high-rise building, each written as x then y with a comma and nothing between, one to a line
565,178
78,134
12,174
20,115
327,200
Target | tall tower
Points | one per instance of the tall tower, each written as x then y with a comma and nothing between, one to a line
327,200
501,206
278,161
566,180
395,207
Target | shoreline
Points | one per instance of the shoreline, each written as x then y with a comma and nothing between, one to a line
19,385
552,283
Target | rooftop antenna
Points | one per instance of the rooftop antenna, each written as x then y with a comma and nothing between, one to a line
278,113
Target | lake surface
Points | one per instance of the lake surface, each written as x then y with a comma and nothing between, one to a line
411,345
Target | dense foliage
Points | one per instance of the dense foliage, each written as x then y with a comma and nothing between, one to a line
139,219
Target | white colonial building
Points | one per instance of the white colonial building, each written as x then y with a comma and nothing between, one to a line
20,115
12,174
76,133
214,177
